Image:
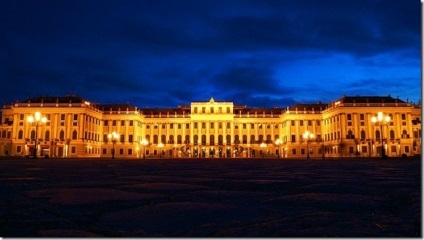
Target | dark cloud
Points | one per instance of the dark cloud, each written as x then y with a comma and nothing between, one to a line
166,53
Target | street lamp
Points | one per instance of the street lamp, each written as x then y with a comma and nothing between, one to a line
144,142
263,146
113,136
160,145
278,143
308,136
37,119
381,120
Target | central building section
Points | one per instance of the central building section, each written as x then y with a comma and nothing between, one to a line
212,129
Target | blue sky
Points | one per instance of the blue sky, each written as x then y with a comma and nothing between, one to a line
253,52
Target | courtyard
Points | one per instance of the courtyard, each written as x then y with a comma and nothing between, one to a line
211,197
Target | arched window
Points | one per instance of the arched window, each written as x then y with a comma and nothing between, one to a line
236,139
268,138
74,134
62,135
203,139
276,137
171,139
349,134
155,139
244,139
179,139
20,134
252,138
187,139
220,139
392,134
163,138
261,138
377,134
228,139
47,135
363,136
212,139
404,134
196,139
33,135
148,138
3,134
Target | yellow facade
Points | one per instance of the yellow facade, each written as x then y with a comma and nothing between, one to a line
211,129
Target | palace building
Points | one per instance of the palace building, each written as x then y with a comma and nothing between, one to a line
71,126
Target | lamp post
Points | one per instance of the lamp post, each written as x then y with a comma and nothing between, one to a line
263,146
113,136
144,142
37,119
381,120
278,143
308,136
160,145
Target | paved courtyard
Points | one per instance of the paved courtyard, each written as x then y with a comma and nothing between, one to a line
210,198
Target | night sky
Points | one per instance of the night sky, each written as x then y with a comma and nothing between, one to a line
169,53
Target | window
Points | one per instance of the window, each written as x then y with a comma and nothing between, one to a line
228,125
73,149
187,125
18,149
293,138
252,126
392,134
62,117
104,151
74,134
62,135
318,122
75,117
403,116
393,149
377,134
195,109
228,110
349,117
203,109
171,126
301,122
121,151
293,123
364,149
212,110
361,117
203,125
20,134
163,125
302,151
212,125
350,149
21,117
130,138
294,151
406,149
131,122
309,122
195,125
363,135
122,138
130,151
114,123
179,126
106,123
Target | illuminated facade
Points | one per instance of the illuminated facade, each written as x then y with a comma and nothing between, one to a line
211,129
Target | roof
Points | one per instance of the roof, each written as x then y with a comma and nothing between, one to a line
52,99
369,99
